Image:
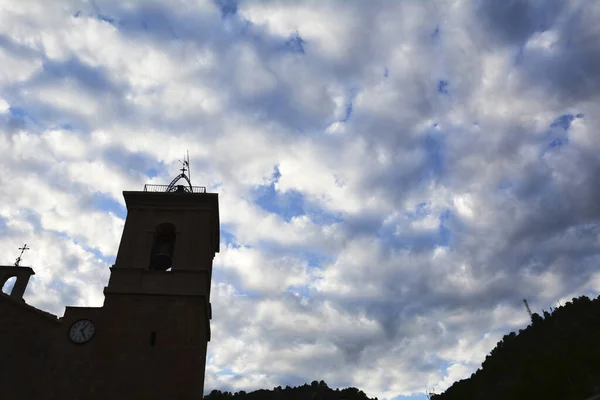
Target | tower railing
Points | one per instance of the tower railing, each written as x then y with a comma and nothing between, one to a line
177,188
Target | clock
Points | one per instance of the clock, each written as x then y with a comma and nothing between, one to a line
82,331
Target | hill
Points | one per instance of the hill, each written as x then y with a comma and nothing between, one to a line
556,357
314,391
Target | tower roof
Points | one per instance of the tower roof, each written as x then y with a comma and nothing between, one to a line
175,185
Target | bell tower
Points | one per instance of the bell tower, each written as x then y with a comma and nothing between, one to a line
159,288
149,339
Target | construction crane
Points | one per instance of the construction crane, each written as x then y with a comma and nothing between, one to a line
528,310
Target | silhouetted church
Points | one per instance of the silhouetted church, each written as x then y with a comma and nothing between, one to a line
149,339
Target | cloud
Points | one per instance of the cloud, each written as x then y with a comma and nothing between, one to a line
394,177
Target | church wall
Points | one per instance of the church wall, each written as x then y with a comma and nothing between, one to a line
39,361
27,340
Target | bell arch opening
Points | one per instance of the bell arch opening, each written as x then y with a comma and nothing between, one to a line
8,285
163,247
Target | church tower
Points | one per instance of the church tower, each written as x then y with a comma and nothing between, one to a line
149,339
159,287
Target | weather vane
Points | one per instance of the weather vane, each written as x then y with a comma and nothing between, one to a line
184,167
18,261
186,163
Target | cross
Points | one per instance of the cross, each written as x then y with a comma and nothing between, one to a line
183,169
186,163
22,250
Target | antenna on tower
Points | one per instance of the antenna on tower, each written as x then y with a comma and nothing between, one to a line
175,185
528,310
188,164
185,167
430,393
18,260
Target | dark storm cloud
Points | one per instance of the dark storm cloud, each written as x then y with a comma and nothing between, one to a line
569,69
512,22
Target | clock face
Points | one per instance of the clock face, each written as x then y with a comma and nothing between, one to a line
82,331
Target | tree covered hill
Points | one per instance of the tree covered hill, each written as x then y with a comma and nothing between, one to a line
314,391
556,357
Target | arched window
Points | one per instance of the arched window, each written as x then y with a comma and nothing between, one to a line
163,247
9,284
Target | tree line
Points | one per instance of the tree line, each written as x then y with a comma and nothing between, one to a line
314,391
556,357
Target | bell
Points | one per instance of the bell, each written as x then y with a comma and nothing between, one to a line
163,259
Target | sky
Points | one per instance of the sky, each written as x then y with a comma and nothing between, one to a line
394,177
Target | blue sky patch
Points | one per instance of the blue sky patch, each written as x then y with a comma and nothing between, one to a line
17,112
421,210
91,78
413,397
152,172
109,259
228,239
348,112
302,290
229,8
140,162
106,18
519,56
433,144
349,106
66,127
321,216
70,294
287,204
442,87
564,121
105,203
276,173
316,260
295,44
559,142
505,186
418,241
443,230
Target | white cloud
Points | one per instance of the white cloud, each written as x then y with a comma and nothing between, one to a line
423,218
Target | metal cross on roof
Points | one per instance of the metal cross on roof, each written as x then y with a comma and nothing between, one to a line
183,169
186,163
18,261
